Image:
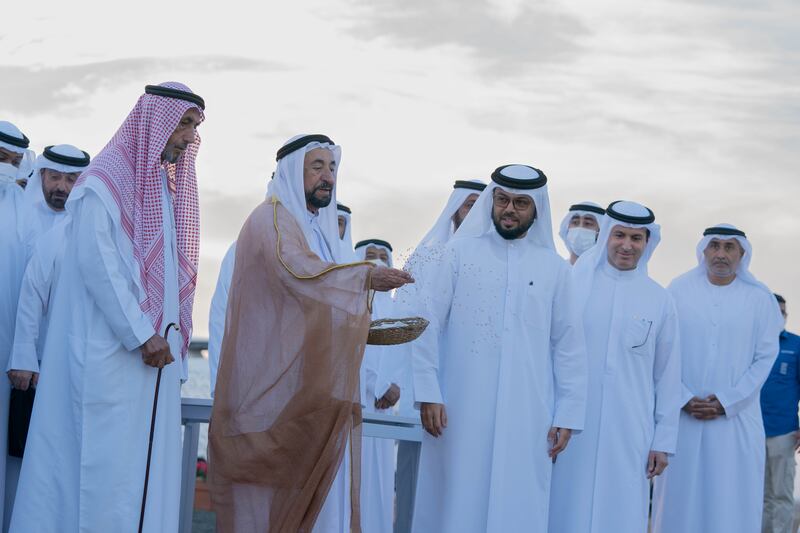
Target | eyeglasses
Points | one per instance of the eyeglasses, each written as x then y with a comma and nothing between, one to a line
520,203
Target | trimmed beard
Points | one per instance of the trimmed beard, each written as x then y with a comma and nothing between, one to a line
318,202
516,233
169,156
55,202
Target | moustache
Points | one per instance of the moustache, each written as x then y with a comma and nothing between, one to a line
323,188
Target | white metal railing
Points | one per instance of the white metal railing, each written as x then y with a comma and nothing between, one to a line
197,411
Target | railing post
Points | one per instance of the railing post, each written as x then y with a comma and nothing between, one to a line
406,484
191,438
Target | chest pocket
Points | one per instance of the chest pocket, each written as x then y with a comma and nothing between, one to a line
638,335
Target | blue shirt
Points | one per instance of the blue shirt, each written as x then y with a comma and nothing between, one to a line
781,392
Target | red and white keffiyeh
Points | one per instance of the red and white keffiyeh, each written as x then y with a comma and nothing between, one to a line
130,168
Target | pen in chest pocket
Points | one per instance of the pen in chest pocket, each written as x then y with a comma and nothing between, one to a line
649,324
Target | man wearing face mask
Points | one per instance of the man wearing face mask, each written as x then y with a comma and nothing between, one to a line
15,163
779,399
601,484
15,158
380,374
730,325
579,229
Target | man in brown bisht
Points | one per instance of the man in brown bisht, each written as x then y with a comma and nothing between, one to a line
284,433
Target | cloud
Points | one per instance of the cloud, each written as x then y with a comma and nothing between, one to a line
502,46
223,215
38,90
699,82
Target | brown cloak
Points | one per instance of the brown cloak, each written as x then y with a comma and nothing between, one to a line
286,400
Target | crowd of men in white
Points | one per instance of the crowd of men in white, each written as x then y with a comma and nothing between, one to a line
552,393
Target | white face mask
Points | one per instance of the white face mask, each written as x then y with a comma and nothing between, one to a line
8,172
580,239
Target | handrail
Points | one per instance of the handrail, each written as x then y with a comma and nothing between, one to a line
196,411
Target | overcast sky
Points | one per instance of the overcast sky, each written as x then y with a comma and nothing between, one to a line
691,107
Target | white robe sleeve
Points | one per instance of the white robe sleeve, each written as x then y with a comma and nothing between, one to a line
33,299
570,364
390,370
108,281
667,381
686,394
216,317
767,346
436,302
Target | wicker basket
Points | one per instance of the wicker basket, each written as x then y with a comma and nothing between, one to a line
390,331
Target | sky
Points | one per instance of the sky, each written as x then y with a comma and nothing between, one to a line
690,107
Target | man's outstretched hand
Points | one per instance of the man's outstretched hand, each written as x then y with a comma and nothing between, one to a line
386,279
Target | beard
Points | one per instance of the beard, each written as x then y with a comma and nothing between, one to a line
311,196
513,233
56,200
171,154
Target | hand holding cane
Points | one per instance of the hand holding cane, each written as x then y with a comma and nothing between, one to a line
171,325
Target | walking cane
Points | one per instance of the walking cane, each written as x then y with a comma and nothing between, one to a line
152,430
